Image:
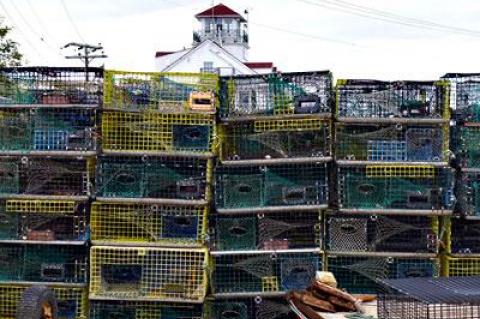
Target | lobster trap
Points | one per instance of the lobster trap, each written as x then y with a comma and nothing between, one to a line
43,220
370,99
263,273
45,176
362,274
467,148
379,233
148,274
162,92
72,302
249,308
299,185
392,142
148,224
427,298
461,266
275,94
272,231
467,101
167,133
104,309
153,177
25,86
403,187
463,236
260,139
43,263
468,193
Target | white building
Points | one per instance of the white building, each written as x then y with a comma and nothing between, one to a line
221,45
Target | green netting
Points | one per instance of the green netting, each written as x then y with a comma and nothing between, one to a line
9,178
236,233
237,310
469,146
289,190
242,191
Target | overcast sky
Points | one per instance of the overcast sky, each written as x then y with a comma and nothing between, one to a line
132,30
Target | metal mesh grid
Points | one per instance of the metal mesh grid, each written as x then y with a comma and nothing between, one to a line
249,308
43,220
263,273
465,236
163,92
72,302
152,177
361,274
275,139
261,186
468,101
43,263
467,148
377,99
50,85
276,94
143,274
148,223
395,187
377,233
123,131
392,143
462,266
468,193
273,231
44,176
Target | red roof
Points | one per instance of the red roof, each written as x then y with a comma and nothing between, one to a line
220,10
259,65
162,53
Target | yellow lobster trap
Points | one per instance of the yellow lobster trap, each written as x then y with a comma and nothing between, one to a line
148,274
148,224
456,266
162,92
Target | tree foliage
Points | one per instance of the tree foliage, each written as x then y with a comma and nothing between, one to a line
9,53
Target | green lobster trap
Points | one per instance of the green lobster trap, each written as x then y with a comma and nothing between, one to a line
72,302
392,142
272,186
43,263
28,86
263,273
160,92
466,146
43,220
153,177
465,96
148,224
421,188
249,308
275,94
362,274
265,139
468,193
382,233
152,132
371,99
148,274
272,231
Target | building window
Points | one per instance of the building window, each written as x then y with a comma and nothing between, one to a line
208,67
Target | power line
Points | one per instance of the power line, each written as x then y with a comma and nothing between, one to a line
71,20
40,22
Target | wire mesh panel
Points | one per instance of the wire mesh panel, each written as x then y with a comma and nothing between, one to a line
43,220
72,302
43,263
249,308
263,273
416,187
148,223
467,148
361,274
377,233
50,85
152,177
276,94
275,139
468,193
468,101
44,176
160,274
163,92
465,236
144,310
392,143
273,231
271,185
128,131
378,99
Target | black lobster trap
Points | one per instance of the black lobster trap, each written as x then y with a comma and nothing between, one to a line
249,308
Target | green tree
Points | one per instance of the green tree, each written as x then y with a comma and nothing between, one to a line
9,54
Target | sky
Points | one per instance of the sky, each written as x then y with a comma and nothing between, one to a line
297,35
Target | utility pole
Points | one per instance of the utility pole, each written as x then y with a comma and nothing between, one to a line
86,53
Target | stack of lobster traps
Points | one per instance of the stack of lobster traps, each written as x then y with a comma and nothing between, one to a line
149,219
271,186
463,235
47,160
394,183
